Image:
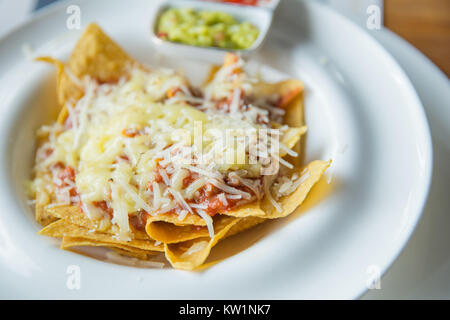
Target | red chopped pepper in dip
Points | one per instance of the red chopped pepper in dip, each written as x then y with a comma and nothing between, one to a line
243,2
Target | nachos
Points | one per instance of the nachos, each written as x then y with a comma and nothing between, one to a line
142,162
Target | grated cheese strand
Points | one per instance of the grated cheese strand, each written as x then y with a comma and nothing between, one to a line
208,221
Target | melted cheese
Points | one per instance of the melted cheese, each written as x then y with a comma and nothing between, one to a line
122,134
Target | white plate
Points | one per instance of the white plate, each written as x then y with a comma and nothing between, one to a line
361,110
422,271
12,13
259,16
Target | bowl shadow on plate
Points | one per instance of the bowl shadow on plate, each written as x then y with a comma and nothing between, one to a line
284,17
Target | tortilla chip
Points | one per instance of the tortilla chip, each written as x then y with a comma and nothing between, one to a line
179,254
170,233
288,90
294,116
70,242
63,228
98,56
230,59
66,88
134,254
291,99
190,219
265,209
247,210
43,217
191,254
289,203
211,73
244,224
168,228
95,55
76,216
291,137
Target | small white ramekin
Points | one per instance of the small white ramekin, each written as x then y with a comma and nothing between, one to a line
260,16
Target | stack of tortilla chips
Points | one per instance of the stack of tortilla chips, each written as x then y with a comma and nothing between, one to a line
186,243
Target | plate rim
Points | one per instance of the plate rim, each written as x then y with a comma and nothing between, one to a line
384,37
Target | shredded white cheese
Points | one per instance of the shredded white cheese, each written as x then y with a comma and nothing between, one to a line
119,137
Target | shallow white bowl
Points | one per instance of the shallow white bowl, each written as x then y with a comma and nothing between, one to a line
361,111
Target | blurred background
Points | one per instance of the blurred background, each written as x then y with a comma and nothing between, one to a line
423,23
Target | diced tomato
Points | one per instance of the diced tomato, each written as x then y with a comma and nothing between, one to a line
139,220
220,36
105,207
189,179
57,166
48,152
162,35
243,2
209,197
67,173
68,123
130,132
158,177
286,98
172,91
261,120
215,205
124,157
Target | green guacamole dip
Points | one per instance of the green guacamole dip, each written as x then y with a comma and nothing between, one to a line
206,29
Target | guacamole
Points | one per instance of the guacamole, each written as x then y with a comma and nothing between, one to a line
206,29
